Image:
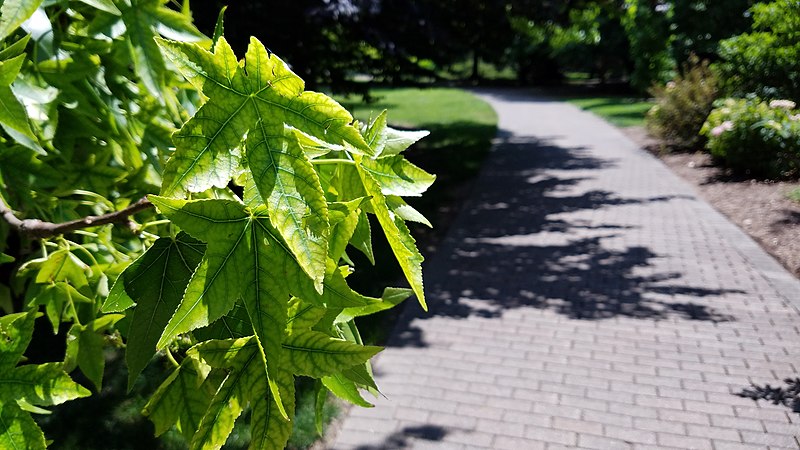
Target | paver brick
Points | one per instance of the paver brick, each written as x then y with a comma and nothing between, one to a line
586,297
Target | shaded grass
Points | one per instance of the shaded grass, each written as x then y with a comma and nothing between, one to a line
620,111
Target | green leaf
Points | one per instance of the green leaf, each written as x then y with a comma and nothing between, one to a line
397,176
40,385
156,282
344,217
302,315
406,211
85,350
288,183
6,258
13,13
397,233
320,396
397,141
15,335
242,246
144,20
345,389
18,430
316,354
219,27
245,383
15,49
61,265
391,297
14,119
9,69
182,398
261,88
362,237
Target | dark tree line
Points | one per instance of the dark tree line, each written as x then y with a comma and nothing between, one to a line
330,41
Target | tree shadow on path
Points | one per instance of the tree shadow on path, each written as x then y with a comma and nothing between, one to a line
513,247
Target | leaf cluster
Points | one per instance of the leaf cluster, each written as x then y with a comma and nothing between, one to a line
239,274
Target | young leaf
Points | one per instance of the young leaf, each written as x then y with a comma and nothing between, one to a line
397,176
396,140
345,389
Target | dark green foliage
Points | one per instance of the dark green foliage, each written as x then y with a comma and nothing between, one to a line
765,61
682,106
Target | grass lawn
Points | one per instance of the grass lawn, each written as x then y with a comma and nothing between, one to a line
620,111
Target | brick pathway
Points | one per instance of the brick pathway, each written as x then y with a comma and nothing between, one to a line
586,298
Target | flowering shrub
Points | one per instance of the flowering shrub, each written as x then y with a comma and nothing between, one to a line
755,137
682,106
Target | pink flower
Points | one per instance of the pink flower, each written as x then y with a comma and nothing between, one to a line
721,128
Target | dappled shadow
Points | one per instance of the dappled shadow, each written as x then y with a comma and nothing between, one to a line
405,438
517,245
788,395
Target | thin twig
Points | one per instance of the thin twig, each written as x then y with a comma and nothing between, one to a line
40,229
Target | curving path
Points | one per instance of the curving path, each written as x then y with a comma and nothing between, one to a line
586,298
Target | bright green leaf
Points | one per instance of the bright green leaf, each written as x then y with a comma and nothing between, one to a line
397,176
396,140
13,13
397,233
345,389
262,88
288,183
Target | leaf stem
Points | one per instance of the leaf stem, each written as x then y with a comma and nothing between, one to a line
171,358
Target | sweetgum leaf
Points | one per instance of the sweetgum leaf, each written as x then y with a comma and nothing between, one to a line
244,384
397,176
182,398
397,233
243,250
39,385
156,282
239,95
287,182
317,355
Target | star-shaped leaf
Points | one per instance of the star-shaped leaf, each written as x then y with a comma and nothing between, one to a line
245,384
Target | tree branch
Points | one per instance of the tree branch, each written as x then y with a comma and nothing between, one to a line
39,229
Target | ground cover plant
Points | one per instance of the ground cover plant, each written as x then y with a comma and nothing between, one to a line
234,277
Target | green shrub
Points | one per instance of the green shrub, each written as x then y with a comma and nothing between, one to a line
755,137
765,61
683,105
